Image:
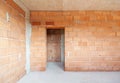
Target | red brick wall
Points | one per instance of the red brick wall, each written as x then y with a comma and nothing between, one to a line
12,45
92,38
77,18
54,45
38,49
92,48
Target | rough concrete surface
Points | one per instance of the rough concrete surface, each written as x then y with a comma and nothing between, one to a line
55,74
58,5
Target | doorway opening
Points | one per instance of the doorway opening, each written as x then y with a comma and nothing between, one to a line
55,48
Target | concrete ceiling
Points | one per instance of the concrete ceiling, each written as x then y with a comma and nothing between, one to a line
58,5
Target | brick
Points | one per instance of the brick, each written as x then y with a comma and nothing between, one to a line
118,33
81,18
82,43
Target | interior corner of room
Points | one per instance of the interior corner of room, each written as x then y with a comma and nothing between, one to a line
59,41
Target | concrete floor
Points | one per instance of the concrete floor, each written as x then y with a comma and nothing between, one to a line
55,74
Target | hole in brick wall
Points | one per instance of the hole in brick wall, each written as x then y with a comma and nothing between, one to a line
49,23
55,46
36,23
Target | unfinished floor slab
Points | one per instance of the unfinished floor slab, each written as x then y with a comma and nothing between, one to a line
55,74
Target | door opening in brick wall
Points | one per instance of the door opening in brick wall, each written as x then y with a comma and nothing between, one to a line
55,46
